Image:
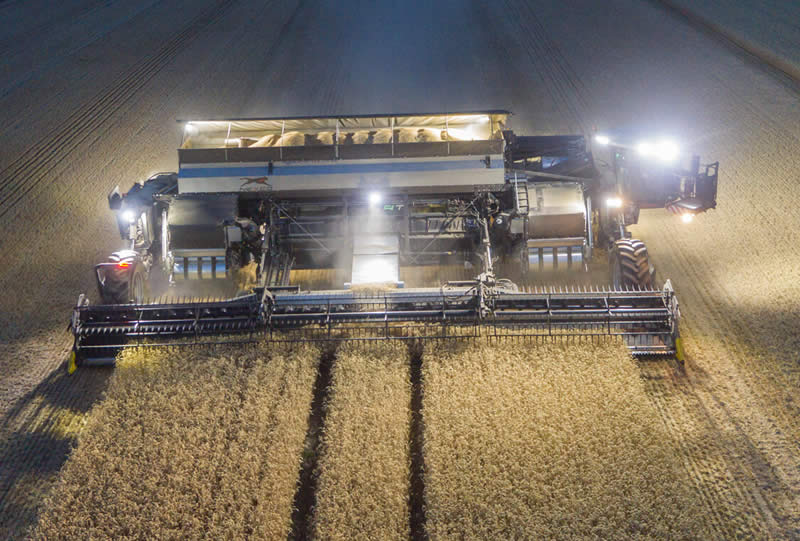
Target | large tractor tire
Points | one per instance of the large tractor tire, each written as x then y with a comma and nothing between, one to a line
133,289
630,265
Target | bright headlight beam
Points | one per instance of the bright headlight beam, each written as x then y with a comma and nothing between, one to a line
375,198
613,202
602,139
667,151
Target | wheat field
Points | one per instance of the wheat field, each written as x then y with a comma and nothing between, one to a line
548,442
363,485
519,442
188,445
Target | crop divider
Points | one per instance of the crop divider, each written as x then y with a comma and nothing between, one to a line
386,317
328,319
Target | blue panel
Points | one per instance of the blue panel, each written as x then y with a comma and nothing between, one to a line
337,169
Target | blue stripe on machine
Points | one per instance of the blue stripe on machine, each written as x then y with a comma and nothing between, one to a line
335,169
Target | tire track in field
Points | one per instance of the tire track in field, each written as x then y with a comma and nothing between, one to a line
756,451
28,172
749,49
750,377
339,79
69,15
748,493
711,456
18,390
571,86
305,497
326,99
40,68
306,64
330,73
716,300
657,393
36,437
63,204
40,427
564,85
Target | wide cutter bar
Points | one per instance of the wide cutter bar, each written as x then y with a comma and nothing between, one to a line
647,320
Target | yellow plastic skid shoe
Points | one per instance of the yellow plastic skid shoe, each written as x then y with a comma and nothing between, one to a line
679,353
72,365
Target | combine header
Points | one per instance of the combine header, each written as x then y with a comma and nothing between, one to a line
373,195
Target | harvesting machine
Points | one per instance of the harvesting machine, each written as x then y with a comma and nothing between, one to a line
375,197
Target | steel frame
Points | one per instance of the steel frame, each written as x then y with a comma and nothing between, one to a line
647,320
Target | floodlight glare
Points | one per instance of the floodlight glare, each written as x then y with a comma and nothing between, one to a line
375,198
667,151
378,271
613,202
129,216
602,139
644,148
190,129
687,217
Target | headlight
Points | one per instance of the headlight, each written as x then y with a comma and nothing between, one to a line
664,150
667,151
644,148
613,202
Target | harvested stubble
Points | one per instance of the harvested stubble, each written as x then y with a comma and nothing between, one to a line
363,486
187,445
551,442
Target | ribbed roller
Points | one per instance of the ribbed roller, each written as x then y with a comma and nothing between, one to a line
555,255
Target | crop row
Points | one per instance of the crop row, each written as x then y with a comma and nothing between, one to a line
189,445
542,442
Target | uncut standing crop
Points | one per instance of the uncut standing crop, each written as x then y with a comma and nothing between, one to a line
544,441
364,467
189,444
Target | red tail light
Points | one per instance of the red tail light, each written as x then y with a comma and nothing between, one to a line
123,264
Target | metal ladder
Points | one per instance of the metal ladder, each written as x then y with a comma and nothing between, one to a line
286,268
277,273
523,206
521,194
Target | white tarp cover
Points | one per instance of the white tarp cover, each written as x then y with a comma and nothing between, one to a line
226,133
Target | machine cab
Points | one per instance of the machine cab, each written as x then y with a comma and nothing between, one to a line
654,173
